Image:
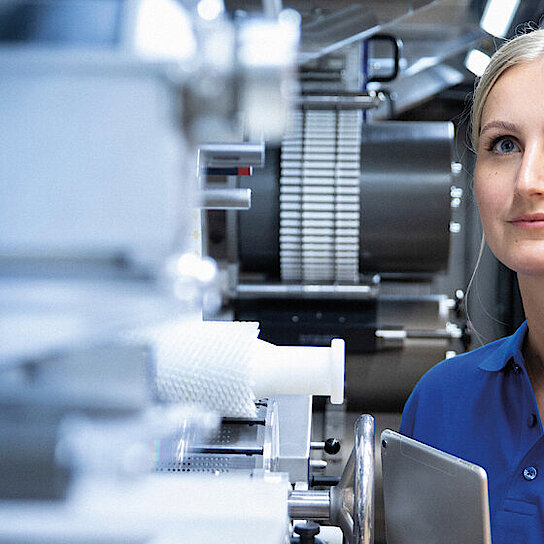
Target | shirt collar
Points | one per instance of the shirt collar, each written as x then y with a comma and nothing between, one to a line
509,349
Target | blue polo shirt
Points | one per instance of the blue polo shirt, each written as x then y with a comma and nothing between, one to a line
480,406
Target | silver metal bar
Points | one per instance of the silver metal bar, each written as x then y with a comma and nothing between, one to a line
448,333
309,504
221,155
305,291
363,530
396,338
226,199
343,102
401,334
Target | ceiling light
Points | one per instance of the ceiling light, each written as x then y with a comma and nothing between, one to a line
498,15
476,61
163,31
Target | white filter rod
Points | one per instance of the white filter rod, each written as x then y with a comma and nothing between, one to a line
298,370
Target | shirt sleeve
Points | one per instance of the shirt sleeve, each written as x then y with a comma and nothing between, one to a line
409,415
424,416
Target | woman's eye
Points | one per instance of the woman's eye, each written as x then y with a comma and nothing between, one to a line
504,145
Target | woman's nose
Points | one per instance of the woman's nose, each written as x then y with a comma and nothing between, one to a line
530,179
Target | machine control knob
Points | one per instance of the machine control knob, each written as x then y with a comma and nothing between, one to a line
332,446
307,532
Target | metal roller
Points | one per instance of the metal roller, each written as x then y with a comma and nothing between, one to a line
346,198
405,196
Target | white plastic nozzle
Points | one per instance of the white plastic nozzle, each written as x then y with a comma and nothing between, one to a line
298,370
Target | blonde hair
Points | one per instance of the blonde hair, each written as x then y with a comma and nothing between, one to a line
524,48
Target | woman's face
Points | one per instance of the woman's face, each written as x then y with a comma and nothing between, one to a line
509,175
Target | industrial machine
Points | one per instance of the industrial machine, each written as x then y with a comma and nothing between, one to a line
122,411
351,222
165,161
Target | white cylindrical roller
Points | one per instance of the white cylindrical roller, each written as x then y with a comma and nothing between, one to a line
298,370
223,366
203,363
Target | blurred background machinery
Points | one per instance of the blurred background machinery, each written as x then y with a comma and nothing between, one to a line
351,222
297,175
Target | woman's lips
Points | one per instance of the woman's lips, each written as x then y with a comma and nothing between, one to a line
529,221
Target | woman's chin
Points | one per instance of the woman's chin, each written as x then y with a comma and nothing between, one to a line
531,266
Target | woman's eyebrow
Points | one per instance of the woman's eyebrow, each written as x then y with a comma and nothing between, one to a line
503,125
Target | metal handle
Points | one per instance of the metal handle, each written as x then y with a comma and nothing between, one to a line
397,48
363,530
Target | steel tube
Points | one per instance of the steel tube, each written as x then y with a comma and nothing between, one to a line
363,527
226,199
221,155
342,102
396,338
309,505
305,291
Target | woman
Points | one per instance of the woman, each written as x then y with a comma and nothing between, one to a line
487,406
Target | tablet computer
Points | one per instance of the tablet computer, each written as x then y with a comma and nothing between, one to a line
431,496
